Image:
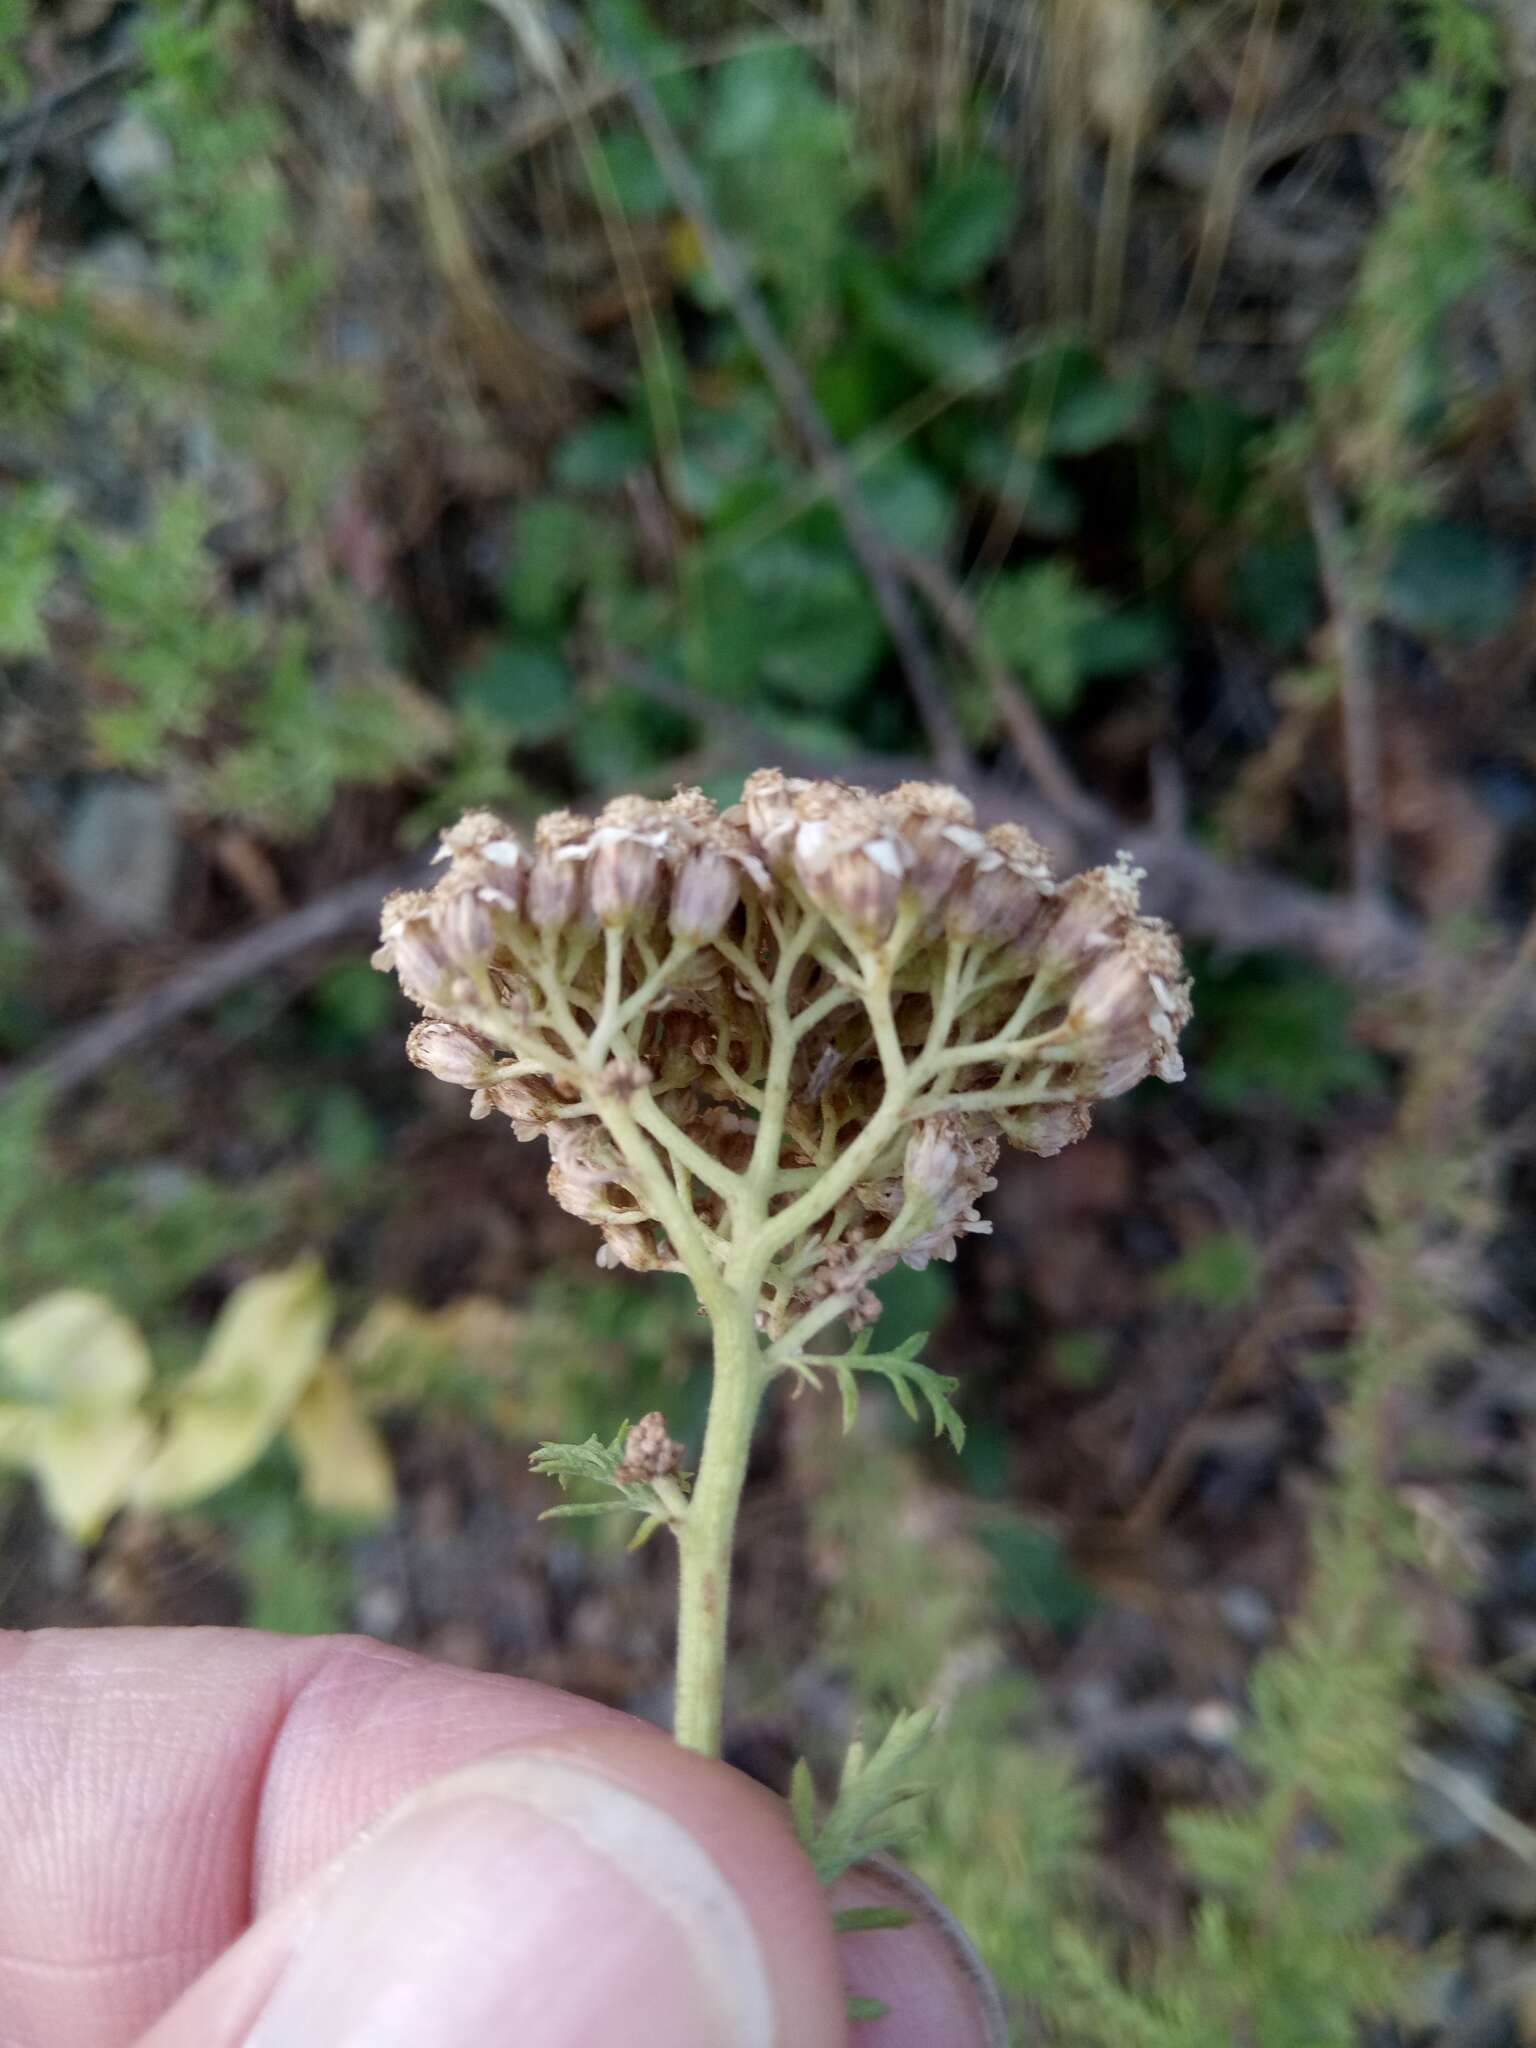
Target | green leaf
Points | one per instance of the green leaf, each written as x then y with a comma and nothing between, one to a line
527,688
909,501
1119,642
1072,405
29,535
1276,590
911,1381
1451,580
1035,1581
949,343
870,1919
637,179
1272,1029
552,544
873,1808
866,2008
1036,619
595,1463
1211,443
1223,1270
601,454
961,225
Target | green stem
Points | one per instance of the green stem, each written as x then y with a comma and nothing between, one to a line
704,1541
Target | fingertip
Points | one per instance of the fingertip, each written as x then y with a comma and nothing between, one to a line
937,1991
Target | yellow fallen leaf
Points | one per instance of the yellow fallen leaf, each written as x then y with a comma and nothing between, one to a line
85,1463
79,1368
262,1354
73,1347
343,1465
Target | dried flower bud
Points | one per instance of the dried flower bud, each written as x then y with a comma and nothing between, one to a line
851,861
1128,1010
451,1053
627,854
410,945
998,896
623,1078
461,924
649,1453
706,892
1045,1128
769,810
626,1244
939,824
1092,913
557,878
934,1159
478,832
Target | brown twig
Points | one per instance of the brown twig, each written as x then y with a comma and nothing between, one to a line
1362,738
1241,910
1032,742
799,403
210,974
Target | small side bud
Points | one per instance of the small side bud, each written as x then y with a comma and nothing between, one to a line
649,1453
450,1053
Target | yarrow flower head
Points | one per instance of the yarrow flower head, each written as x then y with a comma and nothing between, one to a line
779,1047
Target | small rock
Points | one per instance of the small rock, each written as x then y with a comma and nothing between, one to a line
118,263
1248,1614
120,853
129,160
1443,1819
379,1610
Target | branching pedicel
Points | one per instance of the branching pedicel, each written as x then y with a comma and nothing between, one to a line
776,1049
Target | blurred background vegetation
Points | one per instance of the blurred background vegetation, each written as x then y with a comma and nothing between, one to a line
1123,408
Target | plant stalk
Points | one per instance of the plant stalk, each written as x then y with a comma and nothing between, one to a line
705,1539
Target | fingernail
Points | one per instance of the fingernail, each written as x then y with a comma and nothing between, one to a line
525,1898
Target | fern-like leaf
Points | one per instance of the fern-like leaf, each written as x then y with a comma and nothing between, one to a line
910,1380
873,1806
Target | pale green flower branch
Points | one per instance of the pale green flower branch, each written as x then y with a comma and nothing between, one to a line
776,1050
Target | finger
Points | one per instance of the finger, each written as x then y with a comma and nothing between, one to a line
596,1885
934,1985
159,1788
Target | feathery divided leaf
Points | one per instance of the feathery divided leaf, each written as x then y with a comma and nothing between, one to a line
595,1463
872,1809
910,1380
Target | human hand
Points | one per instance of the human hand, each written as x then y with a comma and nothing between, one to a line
219,1839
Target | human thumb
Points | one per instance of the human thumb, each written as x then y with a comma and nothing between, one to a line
596,1885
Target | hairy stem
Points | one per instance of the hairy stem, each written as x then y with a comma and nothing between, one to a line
705,1539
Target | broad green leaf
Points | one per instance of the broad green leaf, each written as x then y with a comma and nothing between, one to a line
636,177
1224,1270
601,454
1036,619
1451,580
946,342
526,687
344,1468
265,1348
73,1349
1072,405
1119,642
1036,1582
961,225
1211,443
552,546
1275,588
910,501
983,452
